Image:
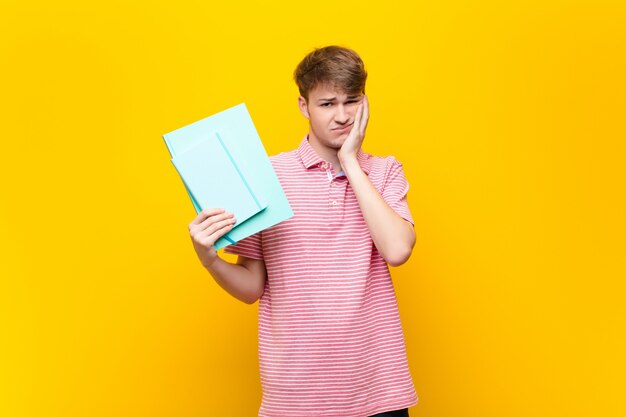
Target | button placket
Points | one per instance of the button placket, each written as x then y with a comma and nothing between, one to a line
334,194
325,166
334,191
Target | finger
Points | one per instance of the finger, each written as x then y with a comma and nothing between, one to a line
213,227
202,229
211,238
357,118
365,116
204,214
214,219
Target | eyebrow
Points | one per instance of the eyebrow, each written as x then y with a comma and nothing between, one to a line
335,98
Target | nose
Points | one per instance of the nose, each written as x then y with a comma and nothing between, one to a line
341,115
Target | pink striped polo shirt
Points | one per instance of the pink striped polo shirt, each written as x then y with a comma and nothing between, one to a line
330,337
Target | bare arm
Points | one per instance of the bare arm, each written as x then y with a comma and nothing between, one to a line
244,280
393,236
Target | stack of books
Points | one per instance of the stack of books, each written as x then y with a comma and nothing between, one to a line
223,164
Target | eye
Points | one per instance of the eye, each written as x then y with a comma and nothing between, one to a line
327,104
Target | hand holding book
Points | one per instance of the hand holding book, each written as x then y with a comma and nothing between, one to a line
208,226
223,164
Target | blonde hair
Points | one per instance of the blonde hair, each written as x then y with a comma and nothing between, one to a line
337,66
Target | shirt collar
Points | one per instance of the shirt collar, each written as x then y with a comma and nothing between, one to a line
311,159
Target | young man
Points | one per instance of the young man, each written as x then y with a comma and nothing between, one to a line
330,337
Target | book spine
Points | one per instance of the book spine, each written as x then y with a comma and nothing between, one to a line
232,160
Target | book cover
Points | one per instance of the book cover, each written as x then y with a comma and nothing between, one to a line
214,180
239,135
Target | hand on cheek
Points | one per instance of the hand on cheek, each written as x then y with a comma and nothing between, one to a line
355,138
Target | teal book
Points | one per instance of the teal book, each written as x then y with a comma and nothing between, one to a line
241,151
213,179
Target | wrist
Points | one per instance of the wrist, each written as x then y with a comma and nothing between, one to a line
349,163
210,263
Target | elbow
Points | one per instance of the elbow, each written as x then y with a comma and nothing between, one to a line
399,257
248,299
399,254
252,296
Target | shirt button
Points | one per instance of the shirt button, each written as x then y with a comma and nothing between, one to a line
334,203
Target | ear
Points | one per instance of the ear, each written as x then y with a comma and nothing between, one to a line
304,109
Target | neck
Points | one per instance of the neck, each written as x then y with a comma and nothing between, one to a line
327,154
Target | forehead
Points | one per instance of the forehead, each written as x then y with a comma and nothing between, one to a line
328,91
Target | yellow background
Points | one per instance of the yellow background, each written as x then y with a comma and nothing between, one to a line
508,116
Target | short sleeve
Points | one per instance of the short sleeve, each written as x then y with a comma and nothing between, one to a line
395,190
249,247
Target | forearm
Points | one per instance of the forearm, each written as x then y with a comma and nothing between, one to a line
393,236
242,282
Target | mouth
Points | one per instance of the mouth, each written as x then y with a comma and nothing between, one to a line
343,129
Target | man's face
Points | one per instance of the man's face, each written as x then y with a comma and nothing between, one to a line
331,115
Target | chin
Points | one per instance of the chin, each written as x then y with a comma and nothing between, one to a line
337,144
341,138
